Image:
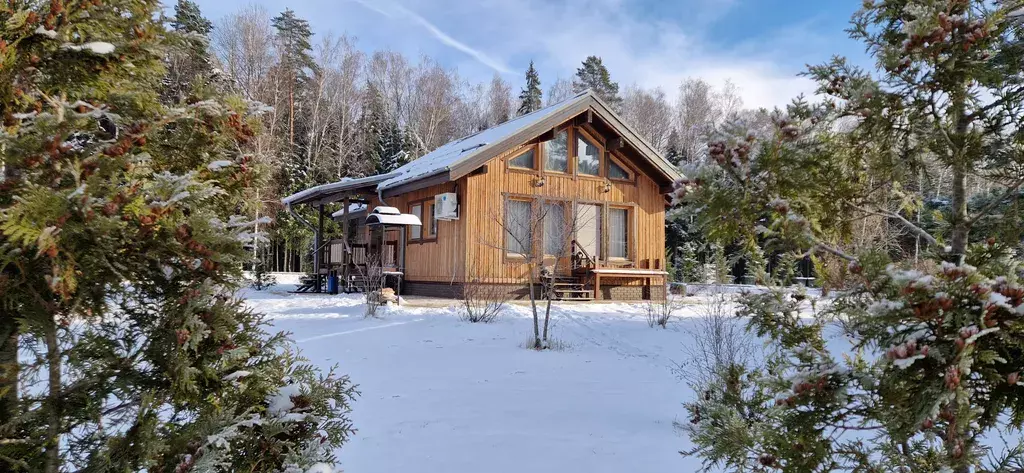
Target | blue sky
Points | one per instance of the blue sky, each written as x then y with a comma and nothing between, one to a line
760,45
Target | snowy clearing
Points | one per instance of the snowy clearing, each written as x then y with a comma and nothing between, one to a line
442,395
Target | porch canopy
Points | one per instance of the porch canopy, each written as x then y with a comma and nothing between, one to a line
336,191
390,216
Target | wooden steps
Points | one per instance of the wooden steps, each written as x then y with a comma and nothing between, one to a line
570,289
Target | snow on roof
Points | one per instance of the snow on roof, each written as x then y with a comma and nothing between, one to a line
391,219
443,158
352,209
325,189
446,157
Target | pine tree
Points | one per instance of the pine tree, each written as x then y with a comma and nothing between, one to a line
594,76
188,19
188,58
672,152
120,257
934,374
392,150
530,97
294,38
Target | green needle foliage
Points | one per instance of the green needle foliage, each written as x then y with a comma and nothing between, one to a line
125,347
928,375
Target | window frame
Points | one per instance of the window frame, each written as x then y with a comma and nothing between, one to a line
567,205
630,232
601,233
536,159
613,159
599,144
543,147
425,236
430,223
506,234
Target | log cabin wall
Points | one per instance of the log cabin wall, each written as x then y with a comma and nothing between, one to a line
485,194
436,258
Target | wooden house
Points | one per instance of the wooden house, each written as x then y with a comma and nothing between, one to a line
574,161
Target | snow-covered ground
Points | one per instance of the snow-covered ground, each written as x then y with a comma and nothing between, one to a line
442,395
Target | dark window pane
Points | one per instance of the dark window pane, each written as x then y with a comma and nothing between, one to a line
588,159
616,172
524,160
556,153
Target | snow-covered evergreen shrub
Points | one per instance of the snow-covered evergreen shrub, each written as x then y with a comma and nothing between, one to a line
120,258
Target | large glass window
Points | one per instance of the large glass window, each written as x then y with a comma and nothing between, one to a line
588,157
556,152
429,221
556,237
588,229
518,237
618,233
416,232
617,172
525,160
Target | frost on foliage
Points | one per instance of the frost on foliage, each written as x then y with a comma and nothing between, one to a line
218,165
95,47
166,189
281,401
237,375
884,306
911,277
258,108
978,334
321,468
42,31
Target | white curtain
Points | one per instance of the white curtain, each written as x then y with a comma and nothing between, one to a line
517,225
618,221
555,238
416,231
588,229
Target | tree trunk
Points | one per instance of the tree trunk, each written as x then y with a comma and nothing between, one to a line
533,305
53,401
959,218
8,366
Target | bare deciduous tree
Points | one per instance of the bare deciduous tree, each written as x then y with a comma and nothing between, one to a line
560,90
649,113
499,101
541,234
699,110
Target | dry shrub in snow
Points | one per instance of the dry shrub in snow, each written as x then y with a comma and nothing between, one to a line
660,312
482,302
718,341
373,286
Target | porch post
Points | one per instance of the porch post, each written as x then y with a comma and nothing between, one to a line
317,241
346,257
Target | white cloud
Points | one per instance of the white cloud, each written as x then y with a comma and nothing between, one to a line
391,10
654,54
559,34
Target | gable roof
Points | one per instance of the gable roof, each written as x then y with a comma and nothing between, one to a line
464,155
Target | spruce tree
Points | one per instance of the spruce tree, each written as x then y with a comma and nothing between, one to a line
530,97
188,18
295,68
934,375
594,76
188,58
673,153
120,258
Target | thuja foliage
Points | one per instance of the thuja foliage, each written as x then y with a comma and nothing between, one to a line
125,348
911,367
